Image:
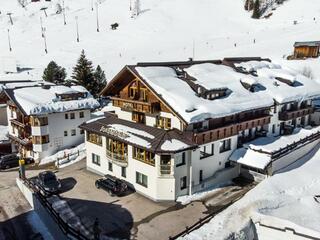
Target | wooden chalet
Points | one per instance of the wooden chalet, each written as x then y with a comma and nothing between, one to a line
306,49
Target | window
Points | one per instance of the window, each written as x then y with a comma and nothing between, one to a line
65,133
123,172
73,132
94,138
183,183
206,151
133,89
81,131
200,176
11,113
273,128
225,145
165,164
66,116
117,150
39,121
81,114
141,179
143,94
181,159
138,117
163,122
72,116
95,159
110,166
144,156
40,139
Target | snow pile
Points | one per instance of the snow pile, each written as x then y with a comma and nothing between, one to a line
250,158
199,196
287,196
66,156
4,130
38,100
173,145
180,95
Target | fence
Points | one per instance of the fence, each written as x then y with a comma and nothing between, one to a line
69,157
65,227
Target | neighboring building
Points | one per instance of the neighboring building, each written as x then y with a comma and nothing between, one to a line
306,49
212,107
44,118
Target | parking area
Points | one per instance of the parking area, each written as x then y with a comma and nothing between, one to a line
132,216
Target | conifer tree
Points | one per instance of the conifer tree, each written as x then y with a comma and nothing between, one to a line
256,10
83,73
54,73
100,79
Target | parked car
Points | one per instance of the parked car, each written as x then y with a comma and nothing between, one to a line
112,185
48,182
9,161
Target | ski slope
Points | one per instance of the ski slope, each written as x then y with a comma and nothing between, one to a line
165,30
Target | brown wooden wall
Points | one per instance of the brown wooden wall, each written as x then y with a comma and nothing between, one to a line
305,51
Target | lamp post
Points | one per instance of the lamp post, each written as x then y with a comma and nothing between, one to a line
77,28
11,21
64,13
9,41
97,12
41,27
45,40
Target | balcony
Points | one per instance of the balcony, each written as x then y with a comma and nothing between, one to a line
118,159
135,105
166,170
229,130
289,115
40,147
26,142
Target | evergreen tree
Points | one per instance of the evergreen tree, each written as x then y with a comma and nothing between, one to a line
54,73
100,79
256,10
83,73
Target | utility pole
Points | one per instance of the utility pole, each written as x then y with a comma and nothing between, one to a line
41,27
45,40
9,41
77,26
97,12
64,13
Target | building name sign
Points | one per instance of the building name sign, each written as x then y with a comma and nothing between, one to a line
114,132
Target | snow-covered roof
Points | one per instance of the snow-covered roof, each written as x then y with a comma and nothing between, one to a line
180,96
250,158
301,87
43,100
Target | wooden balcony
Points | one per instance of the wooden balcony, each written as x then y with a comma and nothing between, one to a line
230,130
289,115
135,105
17,123
26,142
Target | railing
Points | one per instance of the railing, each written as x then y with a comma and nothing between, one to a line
133,105
118,158
288,115
24,142
166,170
68,157
228,131
65,227
18,123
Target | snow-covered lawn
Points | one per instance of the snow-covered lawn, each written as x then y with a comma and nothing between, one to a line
287,196
75,155
3,133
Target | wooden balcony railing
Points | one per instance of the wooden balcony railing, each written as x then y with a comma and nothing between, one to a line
134,105
120,159
230,130
26,142
288,115
18,123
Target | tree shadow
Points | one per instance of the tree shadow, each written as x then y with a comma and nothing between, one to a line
67,184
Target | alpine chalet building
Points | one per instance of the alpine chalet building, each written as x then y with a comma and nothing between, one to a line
173,126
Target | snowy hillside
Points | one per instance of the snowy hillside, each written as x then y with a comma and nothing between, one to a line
165,30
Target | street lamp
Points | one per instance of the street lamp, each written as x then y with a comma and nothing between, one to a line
45,40
10,49
44,10
77,27
97,16
41,27
9,14
64,13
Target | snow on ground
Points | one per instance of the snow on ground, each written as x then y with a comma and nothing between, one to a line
76,154
186,199
287,196
3,133
164,31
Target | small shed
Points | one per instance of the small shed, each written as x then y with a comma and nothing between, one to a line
306,49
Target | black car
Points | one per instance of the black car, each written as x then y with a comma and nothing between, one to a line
112,185
9,161
48,182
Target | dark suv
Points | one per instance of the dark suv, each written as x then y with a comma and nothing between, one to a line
112,185
48,182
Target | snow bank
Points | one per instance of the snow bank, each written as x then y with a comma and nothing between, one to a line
173,145
287,196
